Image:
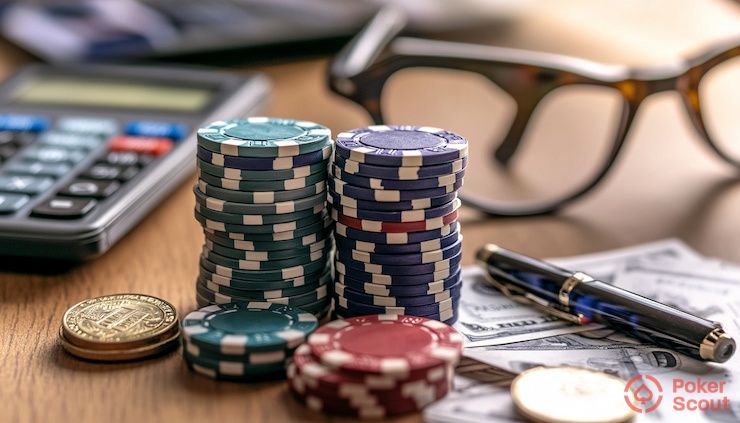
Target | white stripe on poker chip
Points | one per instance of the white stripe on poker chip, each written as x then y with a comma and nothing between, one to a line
217,159
294,183
216,226
203,370
258,119
215,204
408,172
230,184
391,196
262,197
358,153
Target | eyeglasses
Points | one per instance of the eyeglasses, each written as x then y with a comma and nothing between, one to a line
547,127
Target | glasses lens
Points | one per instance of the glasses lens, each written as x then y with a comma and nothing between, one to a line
566,144
719,96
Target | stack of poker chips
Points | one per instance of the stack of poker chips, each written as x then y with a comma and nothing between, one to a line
260,198
393,196
375,366
244,341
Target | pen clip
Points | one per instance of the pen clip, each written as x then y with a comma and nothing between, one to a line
520,296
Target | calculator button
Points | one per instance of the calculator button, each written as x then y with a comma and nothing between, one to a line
103,171
153,146
53,154
38,168
128,173
88,125
70,140
30,123
24,184
65,208
126,158
7,151
10,203
142,128
97,189
17,138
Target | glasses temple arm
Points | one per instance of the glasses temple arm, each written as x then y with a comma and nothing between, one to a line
367,45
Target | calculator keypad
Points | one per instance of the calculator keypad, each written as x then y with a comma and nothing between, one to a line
38,154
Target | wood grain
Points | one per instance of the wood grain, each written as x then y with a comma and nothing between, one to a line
666,184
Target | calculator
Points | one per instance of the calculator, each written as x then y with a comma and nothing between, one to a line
87,152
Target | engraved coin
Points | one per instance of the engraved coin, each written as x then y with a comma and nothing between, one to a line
119,321
570,394
117,355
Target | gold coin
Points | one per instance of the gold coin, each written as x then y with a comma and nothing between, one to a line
119,321
116,355
570,395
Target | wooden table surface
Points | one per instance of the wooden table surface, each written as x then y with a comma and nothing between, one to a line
665,184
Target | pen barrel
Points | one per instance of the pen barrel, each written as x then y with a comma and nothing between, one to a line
527,272
641,317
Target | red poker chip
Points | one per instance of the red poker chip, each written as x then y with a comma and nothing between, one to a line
387,344
380,226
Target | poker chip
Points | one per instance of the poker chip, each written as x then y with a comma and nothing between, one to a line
310,279
433,256
291,206
396,301
390,196
258,294
397,216
264,275
266,255
386,344
381,226
448,316
263,137
244,233
397,237
420,247
259,219
423,289
401,145
265,163
248,326
418,204
386,279
233,241
260,197
261,175
421,310
400,270
403,173
395,184
298,300
249,185
258,229
264,265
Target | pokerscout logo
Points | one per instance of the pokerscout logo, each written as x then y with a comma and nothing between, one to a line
644,393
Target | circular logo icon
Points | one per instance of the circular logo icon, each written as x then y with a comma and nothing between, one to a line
643,393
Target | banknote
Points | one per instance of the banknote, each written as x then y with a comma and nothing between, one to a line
667,271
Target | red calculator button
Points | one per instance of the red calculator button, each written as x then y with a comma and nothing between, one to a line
154,146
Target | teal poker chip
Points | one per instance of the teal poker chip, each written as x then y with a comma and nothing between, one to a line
257,358
321,292
244,235
231,369
311,279
260,197
284,207
258,219
263,137
265,265
267,255
266,163
265,275
262,175
264,295
265,246
258,229
284,185
237,328
319,309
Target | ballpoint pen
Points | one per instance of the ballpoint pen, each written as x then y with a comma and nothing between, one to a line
578,298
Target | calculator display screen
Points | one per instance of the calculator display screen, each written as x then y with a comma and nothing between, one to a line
111,93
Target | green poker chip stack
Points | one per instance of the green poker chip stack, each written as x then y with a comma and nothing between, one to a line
267,234
244,341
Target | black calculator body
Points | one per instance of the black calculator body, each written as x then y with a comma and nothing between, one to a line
86,152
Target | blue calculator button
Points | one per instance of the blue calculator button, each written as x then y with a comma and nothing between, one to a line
30,123
88,125
143,128
10,203
24,184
